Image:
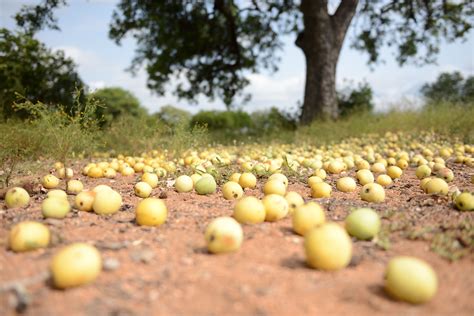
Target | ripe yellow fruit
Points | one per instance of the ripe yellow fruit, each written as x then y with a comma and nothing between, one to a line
446,174
410,279
279,176
328,247
27,236
95,172
223,234
464,202
402,163
437,186
320,173
274,186
313,180
235,177
206,185
321,190
364,176
142,189
346,184
384,180
127,171
336,167
372,192
424,181
151,212
17,197
151,179
54,207
232,190
107,202
394,172
67,173
276,207
49,181
84,201
308,216
195,177
74,187
75,265
294,200
56,193
378,167
184,183
247,180
109,173
101,187
423,171
363,223
249,210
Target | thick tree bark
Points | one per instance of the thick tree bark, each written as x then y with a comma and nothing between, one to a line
321,42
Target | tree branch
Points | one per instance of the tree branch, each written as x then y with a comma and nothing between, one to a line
220,5
342,18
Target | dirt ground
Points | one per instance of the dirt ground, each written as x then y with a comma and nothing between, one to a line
167,270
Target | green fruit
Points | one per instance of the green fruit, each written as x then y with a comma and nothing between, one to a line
206,185
363,223
410,279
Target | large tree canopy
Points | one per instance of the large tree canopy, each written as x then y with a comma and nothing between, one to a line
210,46
450,87
35,72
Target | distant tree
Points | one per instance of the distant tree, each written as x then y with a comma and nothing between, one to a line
35,72
115,102
172,115
451,87
355,100
214,44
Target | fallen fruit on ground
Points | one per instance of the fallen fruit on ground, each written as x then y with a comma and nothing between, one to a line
232,191
276,207
307,216
294,200
249,210
84,201
185,183
275,186
142,189
223,234
410,279
17,197
372,192
151,212
57,194
346,184
206,185
55,207
74,187
107,202
363,223
75,265
321,190
465,201
28,235
328,247
247,180
49,181
437,186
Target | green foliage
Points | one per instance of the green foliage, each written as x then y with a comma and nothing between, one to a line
355,100
116,102
271,121
219,120
450,87
173,116
27,67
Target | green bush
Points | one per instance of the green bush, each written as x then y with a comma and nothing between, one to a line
355,100
218,120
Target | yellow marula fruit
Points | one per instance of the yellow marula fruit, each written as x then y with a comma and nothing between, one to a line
402,164
437,186
142,189
28,235
75,265
127,171
249,210
274,186
365,176
247,180
384,180
95,172
195,177
446,174
279,176
313,180
424,181
54,207
101,187
232,191
363,223
394,172
235,177
150,178
107,202
276,207
56,193
321,190
464,201
151,212
49,181
67,173
294,200
423,171
84,201
372,192
346,184
336,167
320,173
377,167
307,216
328,247
184,183
410,279
223,235
109,173
74,187
206,185
17,197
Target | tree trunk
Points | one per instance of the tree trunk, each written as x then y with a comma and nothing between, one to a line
321,42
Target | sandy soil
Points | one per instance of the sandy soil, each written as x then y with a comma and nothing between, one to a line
167,270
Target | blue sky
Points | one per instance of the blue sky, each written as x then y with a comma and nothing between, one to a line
101,63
